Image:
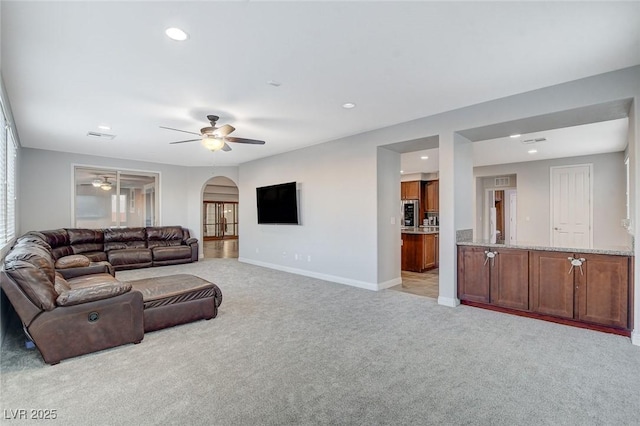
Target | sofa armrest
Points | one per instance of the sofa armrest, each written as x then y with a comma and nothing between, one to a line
190,241
75,330
93,268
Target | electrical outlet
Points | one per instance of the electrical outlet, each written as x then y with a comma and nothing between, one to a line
296,256
309,258
284,254
257,250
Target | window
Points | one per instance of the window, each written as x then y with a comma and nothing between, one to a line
8,160
113,198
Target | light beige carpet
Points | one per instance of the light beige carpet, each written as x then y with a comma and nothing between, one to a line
287,349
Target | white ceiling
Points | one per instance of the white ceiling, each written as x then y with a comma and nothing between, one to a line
71,66
587,139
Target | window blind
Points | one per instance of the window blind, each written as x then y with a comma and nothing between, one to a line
3,179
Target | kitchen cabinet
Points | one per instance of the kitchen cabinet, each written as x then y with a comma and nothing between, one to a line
473,275
585,289
418,252
410,190
551,290
496,276
432,196
592,288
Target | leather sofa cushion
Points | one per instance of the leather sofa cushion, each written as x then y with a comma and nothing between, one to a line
173,289
80,236
96,256
124,238
171,253
73,261
31,267
90,288
61,285
163,236
83,248
56,238
129,256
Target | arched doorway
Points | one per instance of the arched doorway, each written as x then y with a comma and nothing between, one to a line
220,218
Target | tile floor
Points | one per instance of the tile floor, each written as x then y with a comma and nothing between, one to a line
421,284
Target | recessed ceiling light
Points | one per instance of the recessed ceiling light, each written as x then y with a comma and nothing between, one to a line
532,151
103,127
176,34
516,135
424,157
348,105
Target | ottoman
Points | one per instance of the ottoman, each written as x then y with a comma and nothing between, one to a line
177,299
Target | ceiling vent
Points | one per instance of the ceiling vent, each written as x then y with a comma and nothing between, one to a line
502,181
101,135
536,140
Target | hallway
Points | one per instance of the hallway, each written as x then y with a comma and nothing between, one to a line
221,249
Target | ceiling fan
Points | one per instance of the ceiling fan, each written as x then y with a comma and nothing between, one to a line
215,138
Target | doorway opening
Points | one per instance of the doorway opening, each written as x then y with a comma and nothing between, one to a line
220,224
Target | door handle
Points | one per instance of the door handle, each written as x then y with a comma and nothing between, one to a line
576,262
490,255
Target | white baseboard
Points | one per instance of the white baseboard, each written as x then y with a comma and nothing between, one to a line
448,301
326,277
390,283
635,337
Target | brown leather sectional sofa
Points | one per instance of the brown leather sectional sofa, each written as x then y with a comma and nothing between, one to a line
125,248
62,285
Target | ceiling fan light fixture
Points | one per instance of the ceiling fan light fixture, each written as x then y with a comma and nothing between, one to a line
176,34
96,183
212,143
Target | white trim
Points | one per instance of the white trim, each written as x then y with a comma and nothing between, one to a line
551,168
448,301
325,277
390,283
635,337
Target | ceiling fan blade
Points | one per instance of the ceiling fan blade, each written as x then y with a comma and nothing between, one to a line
243,140
178,130
223,131
226,148
190,140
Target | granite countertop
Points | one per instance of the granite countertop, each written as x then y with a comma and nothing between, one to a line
420,230
613,250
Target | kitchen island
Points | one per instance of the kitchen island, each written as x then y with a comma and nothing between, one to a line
589,288
420,248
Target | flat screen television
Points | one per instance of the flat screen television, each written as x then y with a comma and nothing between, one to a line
278,204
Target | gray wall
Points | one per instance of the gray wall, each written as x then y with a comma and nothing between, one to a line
533,186
338,209
46,188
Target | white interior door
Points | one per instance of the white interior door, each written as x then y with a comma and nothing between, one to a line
571,206
512,217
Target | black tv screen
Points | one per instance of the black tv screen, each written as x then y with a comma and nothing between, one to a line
277,204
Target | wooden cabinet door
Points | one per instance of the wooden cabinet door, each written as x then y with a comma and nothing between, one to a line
410,190
510,279
429,251
412,252
551,284
602,288
473,274
433,194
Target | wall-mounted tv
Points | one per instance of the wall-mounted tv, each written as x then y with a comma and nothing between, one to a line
278,204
